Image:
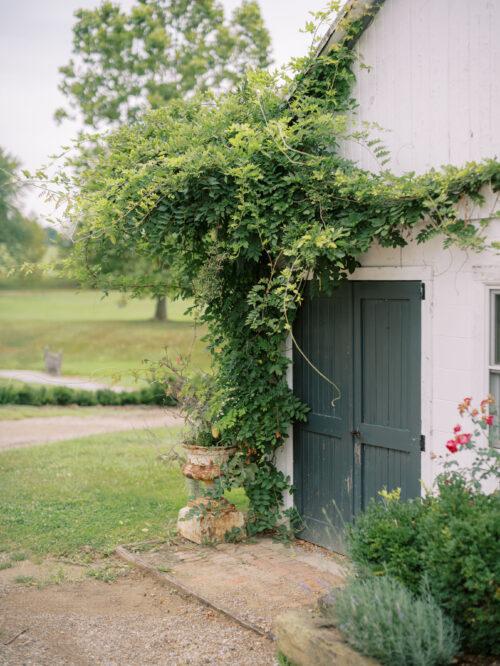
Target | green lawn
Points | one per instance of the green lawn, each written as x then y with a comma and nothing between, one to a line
72,305
97,491
101,338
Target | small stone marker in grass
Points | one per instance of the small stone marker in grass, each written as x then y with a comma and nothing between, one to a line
53,362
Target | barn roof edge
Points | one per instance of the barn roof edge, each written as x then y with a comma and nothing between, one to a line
352,11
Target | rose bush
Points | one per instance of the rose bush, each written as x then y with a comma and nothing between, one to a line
486,457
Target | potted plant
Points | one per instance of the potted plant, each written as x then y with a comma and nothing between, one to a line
202,442
205,457
205,450
208,516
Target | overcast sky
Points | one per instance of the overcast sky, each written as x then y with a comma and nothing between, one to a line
35,39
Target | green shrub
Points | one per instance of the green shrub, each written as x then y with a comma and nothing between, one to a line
460,537
386,539
154,394
86,398
148,395
382,619
63,395
42,396
451,541
132,398
8,395
108,397
48,397
28,395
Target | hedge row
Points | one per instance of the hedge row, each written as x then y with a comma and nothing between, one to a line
27,394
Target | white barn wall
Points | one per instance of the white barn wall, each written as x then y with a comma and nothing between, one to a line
433,83
434,86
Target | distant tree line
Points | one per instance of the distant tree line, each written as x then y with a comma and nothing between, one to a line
21,237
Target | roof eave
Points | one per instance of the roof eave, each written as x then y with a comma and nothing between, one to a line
352,11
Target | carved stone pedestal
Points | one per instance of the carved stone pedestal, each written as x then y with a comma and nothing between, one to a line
207,521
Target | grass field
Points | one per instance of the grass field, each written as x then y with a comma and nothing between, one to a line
71,305
102,338
97,491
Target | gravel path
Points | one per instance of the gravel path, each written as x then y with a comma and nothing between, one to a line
34,377
132,622
34,431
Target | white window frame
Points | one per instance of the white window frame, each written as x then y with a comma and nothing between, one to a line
493,368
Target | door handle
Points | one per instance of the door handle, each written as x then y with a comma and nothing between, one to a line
356,433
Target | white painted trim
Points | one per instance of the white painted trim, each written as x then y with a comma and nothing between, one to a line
284,455
481,340
490,289
423,273
427,380
488,275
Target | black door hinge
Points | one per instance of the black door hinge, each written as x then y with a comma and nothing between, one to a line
422,442
422,291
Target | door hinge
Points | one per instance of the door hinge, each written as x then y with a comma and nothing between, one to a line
422,291
422,442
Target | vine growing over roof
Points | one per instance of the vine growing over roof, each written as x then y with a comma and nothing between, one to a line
244,197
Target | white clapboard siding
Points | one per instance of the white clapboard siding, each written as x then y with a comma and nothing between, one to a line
433,83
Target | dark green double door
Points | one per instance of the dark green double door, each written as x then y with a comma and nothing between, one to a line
365,338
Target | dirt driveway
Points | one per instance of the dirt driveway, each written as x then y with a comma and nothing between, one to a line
33,431
58,613
131,622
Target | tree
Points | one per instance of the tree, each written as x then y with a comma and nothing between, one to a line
160,50
127,61
21,237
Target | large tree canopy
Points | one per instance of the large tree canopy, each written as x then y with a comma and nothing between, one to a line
124,62
127,61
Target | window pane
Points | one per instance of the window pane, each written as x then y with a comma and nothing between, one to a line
496,331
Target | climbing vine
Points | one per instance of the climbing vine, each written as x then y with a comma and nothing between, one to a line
244,198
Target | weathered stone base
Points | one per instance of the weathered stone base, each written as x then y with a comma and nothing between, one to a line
308,639
211,524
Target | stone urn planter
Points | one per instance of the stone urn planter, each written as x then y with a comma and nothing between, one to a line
204,462
206,520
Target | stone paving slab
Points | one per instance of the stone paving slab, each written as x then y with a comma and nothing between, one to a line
308,639
251,581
